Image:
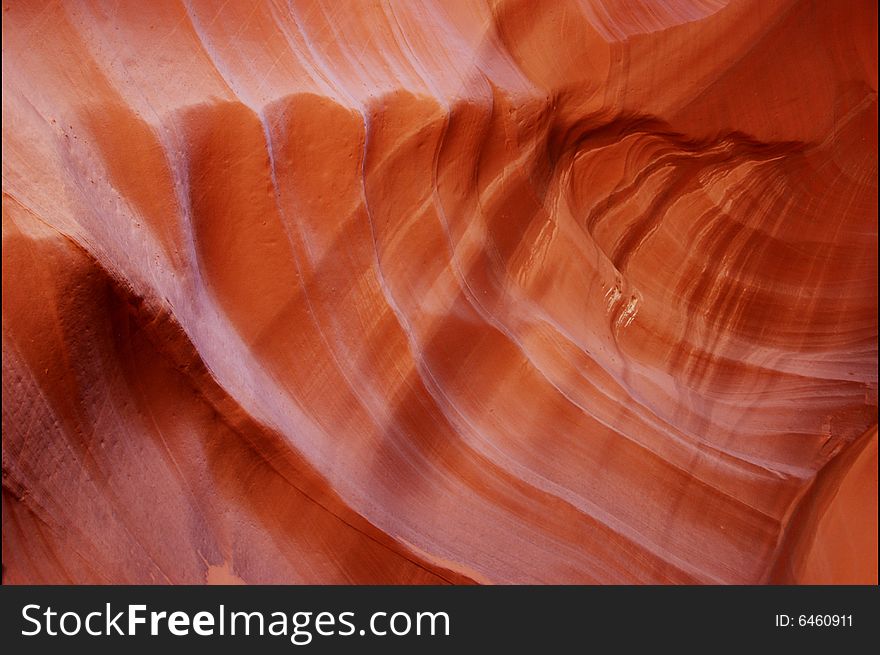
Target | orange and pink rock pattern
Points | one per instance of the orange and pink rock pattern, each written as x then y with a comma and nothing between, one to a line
440,291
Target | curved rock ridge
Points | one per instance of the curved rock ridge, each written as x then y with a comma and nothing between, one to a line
440,292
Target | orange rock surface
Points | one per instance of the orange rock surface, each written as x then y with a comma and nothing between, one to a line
441,291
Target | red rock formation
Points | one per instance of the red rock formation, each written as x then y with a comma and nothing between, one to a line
442,291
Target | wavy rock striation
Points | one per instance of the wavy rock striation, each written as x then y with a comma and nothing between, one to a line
440,292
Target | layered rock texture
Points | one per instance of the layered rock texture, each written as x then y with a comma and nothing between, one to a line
440,291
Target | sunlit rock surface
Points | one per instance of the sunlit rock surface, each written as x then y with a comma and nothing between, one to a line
425,292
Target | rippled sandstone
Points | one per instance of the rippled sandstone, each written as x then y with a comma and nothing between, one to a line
558,292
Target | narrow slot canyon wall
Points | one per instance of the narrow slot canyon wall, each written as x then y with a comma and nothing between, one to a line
576,291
